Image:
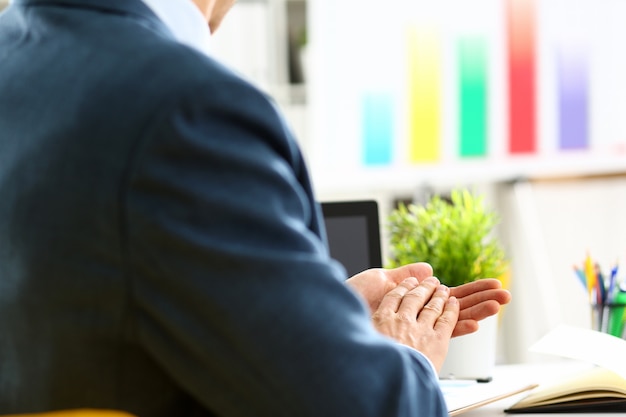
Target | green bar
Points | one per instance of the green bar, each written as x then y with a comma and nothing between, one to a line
473,96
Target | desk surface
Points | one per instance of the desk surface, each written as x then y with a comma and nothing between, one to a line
531,373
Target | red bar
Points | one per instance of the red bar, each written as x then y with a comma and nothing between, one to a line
522,80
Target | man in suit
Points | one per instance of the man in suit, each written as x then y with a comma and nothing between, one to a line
161,250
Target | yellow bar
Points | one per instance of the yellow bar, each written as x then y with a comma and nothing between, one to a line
424,95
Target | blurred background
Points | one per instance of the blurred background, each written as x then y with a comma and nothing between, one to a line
523,101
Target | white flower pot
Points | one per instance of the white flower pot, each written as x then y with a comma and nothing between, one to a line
473,356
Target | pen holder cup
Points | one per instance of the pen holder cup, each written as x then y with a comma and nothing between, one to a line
609,318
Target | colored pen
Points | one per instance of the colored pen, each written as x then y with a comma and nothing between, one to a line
611,290
581,276
600,284
590,276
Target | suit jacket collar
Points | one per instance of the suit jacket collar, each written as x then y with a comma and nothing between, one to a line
133,8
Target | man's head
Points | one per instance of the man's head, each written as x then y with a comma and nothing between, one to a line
214,11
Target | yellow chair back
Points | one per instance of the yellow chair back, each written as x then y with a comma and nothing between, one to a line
76,413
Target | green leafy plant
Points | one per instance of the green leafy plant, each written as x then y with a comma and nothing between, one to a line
455,237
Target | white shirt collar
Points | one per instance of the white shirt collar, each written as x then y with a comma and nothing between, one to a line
183,18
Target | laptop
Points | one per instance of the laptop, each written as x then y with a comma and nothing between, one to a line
353,232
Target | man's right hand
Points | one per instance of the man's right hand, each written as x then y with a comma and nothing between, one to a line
420,315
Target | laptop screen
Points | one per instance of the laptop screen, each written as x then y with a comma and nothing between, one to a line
353,234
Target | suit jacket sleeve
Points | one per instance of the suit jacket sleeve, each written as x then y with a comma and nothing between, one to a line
233,291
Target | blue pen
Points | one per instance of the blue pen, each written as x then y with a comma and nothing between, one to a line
581,276
611,291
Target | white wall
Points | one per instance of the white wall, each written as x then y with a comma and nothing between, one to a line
549,227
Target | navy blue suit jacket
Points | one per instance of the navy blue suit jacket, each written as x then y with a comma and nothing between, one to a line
161,250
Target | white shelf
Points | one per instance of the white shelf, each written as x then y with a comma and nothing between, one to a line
408,178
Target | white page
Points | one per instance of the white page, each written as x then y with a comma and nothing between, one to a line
587,345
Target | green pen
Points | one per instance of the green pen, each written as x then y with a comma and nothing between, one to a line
618,312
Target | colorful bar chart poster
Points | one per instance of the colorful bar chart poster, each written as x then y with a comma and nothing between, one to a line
521,27
472,59
456,89
424,86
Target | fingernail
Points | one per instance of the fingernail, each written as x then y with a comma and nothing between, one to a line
431,280
453,301
411,280
443,288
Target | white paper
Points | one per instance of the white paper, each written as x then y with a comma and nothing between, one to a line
587,345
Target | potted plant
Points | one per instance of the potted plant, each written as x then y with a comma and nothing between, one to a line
456,238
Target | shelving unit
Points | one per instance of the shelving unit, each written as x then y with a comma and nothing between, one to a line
267,49
262,39
425,96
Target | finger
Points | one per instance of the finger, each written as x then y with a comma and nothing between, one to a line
435,306
469,318
479,285
497,296
464,327
391,301
415,300
447,322
493,299
419,270
480,311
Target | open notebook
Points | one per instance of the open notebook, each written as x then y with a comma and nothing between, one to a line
601,388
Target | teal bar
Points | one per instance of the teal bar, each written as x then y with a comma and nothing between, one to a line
472,97
377,129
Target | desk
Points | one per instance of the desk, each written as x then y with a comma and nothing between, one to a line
531,373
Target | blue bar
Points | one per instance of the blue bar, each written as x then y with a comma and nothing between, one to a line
377,128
